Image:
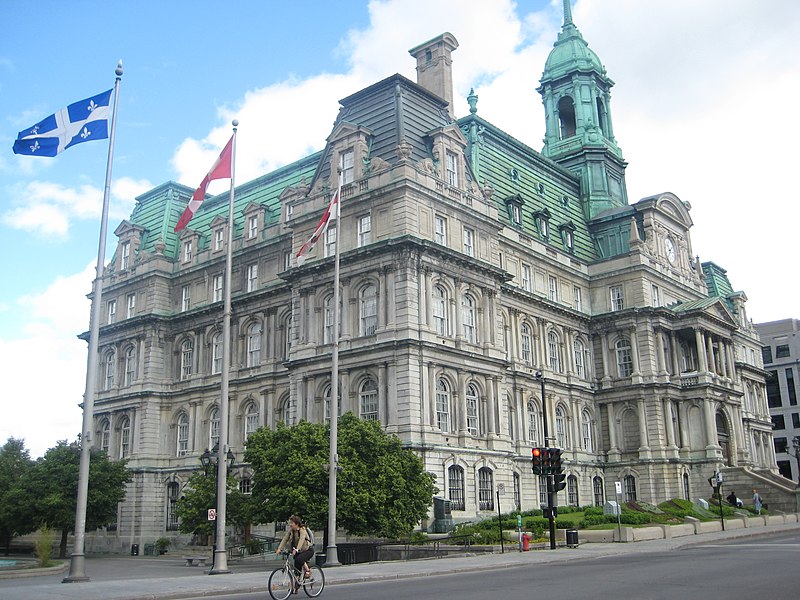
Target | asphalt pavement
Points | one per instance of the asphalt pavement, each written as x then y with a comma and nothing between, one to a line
168,577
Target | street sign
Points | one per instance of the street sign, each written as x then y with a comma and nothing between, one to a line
212,514
501,489
719,477
618,487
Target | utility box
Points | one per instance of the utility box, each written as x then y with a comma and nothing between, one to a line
701,503
611,507
442,518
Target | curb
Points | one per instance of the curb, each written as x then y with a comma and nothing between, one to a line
33,572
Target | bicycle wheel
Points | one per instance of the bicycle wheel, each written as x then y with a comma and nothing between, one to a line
314,587
280,584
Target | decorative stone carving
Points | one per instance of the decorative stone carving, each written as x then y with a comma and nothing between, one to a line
404,150
426,165
377,164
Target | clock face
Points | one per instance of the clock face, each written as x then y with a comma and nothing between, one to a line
669,246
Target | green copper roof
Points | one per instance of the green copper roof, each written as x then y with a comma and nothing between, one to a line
570,53
718,283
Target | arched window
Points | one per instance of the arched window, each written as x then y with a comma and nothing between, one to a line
455,487
572,490
586,431
368,400
183,435
597,488
579,351
187,356
624,358
124,437
105,436
284,413
254,345
630,488
443,405
246,486
517,493
173,493
213,428
630,430
369,310
327,332
327,402
562,439
473,422
566,117
251,419
533,423
287,336
686,494
552,352
468,318
216,353
439,308
130,365
110,368
525,344
485,489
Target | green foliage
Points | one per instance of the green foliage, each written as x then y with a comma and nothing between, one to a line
641,506
200,495
162,544
565,523
418,537
15,462
630,517
44,547
382,488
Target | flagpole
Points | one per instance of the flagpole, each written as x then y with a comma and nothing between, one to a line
220,554
77,570
331,555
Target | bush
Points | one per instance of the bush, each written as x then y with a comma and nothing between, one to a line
162,544
564,523
593,511
598,519
630,517
44,547
418,537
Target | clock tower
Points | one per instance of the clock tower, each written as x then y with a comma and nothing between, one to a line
579,135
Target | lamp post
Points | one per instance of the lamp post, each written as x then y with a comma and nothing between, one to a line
210,460
550,479
796,444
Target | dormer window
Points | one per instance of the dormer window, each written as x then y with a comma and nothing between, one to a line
187,251
347,163
125,255
451,169
252,227
542,219
514,206
568,235
219,239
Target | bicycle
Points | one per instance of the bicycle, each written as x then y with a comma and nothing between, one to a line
282,581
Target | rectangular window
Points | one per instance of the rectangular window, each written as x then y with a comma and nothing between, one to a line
774,390
452,169
469,242
766,354
347,163
781,444
185,298
287,260
796,420
778,422
516,214
187,251
485,489
440,227
330,241
455,485
617,298
131,310
782,351
252,227
252,278
577,298
553,285
112,312
125,255
526,278
289,211
219,238
790,387
364,230
217,294
656,296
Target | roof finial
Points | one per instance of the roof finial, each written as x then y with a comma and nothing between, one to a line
567,13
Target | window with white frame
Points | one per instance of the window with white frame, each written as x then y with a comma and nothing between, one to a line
443,405
251,419
112,312
130,365
630,488
468,318
183,435
254,345
284,413
368,310
327,403
125,255
252,277
553,354
287,260
455,487
173,494
330,241
577,297
289,211
219,239
364,230
586,431
597,488
131,306
485,489
440,230
451,168
516,214
533,423
439,310
252,227
105,436
656,296
218,288
526,344
124,437
562,439
246,486
187,356
216,353
526,278
624,358
327,326
572,490
213,429
110,369
580,351
543,490
469,242
553,282
347,163
617,297
187,251
368,400
473,421
186,300
287,340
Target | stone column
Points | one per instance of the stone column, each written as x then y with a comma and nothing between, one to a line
431,405
635,352
514,337
491,406
612,428
702,365
643,437
710,352
345,309
708,413
543,355
462,401
604,352
392,417
383,405
492,333
723,358
673,342
666,408
662,363
683,414
456,302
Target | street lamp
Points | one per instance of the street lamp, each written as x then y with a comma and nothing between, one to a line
210,460
796,444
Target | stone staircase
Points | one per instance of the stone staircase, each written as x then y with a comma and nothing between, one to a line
777,492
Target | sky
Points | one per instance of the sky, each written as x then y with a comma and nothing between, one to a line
702,107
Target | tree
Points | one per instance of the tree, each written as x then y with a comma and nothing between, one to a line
50,490
15,461
383,488
200,495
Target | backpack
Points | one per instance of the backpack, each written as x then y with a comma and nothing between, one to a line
310,535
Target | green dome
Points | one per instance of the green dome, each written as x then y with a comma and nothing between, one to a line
571,53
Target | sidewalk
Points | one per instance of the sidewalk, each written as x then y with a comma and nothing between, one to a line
161,578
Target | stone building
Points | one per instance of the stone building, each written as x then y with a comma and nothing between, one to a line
469,262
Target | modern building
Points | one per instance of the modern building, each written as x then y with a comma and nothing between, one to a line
470,263
780,348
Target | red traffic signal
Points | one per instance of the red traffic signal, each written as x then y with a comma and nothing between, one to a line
537,457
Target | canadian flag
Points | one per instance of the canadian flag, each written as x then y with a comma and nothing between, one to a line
321,228
220,170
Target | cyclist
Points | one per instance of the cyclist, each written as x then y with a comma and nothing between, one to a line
297,537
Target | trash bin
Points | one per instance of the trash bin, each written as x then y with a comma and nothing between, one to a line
526,542
134,549
572,538
149,549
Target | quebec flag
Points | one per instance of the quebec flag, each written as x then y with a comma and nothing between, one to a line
82,121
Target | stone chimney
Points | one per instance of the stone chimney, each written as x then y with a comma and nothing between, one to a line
434,66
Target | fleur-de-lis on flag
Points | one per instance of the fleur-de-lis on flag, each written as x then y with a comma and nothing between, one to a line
35,130
35,146
85,133
91,106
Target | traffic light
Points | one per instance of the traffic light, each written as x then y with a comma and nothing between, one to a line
557,470
547,462
537,456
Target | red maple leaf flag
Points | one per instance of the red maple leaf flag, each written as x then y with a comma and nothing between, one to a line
220,170
322,226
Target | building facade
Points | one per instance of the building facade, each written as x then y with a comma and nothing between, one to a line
470,264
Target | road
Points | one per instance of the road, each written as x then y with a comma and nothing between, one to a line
748,569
